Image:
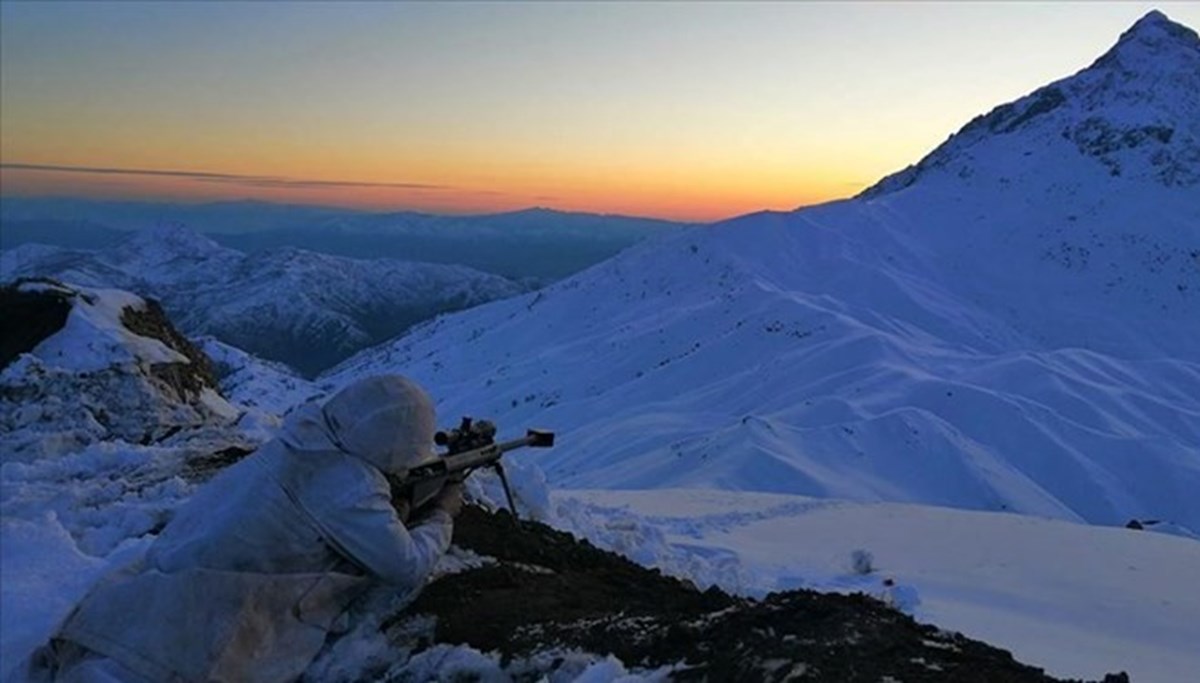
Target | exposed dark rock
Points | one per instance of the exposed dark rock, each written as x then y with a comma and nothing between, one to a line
1044,101
550,590
29,317
201,469
187,379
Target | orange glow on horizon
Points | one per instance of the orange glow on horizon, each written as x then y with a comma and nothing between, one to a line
681,197
685,111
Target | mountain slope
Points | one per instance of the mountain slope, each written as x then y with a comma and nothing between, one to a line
1009,326
305,309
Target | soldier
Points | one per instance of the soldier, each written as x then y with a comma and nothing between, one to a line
252,573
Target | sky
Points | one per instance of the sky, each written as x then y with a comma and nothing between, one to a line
681,110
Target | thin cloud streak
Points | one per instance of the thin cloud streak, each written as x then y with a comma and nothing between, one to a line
231,178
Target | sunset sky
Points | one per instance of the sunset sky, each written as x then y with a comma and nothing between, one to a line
678,110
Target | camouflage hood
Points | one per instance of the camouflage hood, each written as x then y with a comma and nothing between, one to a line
387,421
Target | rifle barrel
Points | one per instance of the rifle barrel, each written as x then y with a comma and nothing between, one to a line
482,456
421,484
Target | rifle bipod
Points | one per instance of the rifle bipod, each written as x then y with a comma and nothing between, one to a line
512,504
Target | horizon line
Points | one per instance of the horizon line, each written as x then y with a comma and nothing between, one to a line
375,212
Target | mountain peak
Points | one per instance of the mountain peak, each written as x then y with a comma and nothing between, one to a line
1152,22
176,238
158,254
1151,40
1134,113
1156,25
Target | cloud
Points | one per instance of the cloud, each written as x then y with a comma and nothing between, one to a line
230,178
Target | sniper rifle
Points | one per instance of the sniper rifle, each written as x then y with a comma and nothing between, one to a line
470,446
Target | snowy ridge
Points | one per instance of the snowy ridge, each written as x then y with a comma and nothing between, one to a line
94,337
105,374
253,383
302,308
1019,338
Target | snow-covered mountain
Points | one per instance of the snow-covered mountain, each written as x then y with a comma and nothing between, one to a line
1009,325
538,243
254,383
130,216
108,366
302,308
1132,112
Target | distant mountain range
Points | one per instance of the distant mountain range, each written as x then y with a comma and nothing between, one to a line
1009,324
305,309
539,244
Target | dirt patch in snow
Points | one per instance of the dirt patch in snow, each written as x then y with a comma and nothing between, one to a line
29,317
550,590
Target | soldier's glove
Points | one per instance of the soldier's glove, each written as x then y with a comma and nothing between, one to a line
451,499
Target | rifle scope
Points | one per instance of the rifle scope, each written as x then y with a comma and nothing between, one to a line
469,434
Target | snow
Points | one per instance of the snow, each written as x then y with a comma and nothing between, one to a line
255,384
93,336
1078,600
167,254
69,516
44,575
1008,327
76,494
1012,328
94,381
103,495
452,663
290,304
858,396
745,358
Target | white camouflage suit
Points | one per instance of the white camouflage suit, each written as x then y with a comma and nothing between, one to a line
250,575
